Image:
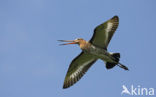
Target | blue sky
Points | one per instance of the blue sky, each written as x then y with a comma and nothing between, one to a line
32,64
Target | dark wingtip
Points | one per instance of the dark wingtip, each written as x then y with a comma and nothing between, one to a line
115,16
64,87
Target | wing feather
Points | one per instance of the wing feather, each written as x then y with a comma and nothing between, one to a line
104,32
78,68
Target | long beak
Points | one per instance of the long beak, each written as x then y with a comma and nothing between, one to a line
71,42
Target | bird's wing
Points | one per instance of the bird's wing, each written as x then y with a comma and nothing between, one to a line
77,68
104,32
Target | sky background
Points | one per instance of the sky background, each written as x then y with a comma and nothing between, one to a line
32,64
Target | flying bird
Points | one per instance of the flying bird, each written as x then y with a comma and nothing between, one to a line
92,50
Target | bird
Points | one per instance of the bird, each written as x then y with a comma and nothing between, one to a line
92,50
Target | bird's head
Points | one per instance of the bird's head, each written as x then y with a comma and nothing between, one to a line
78,41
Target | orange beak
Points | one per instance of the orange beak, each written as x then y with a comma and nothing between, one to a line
71,42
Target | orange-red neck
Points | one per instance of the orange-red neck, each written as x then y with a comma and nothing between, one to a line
84,44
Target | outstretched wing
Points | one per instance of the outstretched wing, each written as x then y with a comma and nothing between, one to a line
104,32
77,68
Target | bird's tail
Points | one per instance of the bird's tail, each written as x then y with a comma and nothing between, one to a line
117,59
116,56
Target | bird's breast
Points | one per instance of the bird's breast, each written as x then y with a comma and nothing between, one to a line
95,50
99,53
